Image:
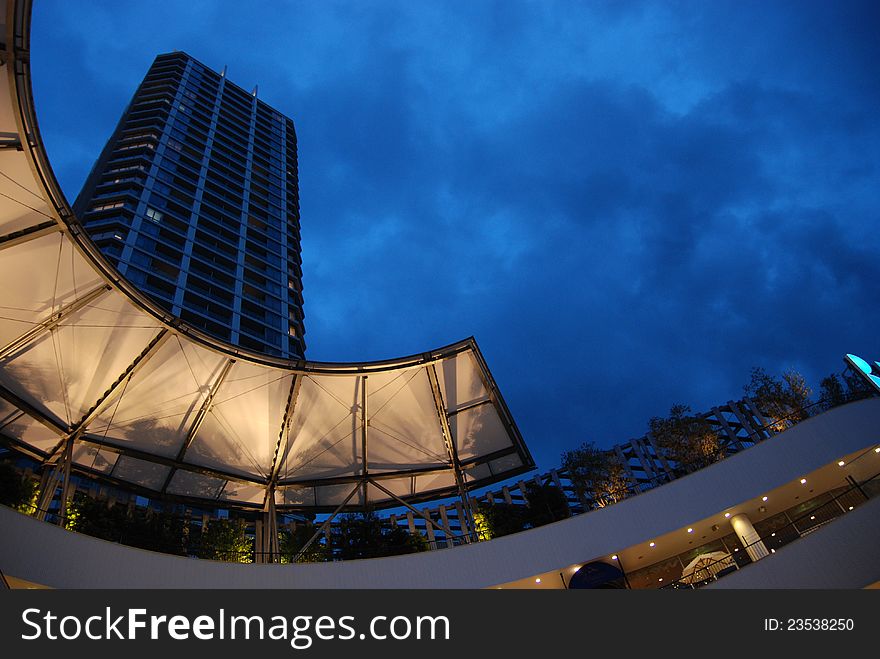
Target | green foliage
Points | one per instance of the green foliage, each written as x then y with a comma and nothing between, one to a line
494,520
291,543
546,504
598,476
366,535
139,527
227,540
856,385
16,490
97,518
782,400
834,390
686,440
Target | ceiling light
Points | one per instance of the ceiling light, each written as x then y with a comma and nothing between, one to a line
660,579
651,544
763,498
812,517
772,551
840,463
727,514
850,507
690,530
877,450
773,535
803,480
614,558
538,580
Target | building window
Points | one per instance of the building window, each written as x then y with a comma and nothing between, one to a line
154,215
106,207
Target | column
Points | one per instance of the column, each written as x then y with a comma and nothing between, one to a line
747,535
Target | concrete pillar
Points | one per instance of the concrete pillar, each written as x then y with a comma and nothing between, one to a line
747,535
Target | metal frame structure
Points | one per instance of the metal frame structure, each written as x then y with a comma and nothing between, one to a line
391,466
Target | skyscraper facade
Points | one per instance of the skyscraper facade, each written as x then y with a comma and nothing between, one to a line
195,200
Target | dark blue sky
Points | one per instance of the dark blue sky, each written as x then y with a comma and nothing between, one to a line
628,204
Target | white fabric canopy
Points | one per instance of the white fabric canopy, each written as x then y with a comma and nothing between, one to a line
151,403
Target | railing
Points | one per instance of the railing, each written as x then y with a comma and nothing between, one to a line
798,528
190,541
191,530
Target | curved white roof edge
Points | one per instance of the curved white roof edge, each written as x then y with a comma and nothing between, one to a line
43,553
90,365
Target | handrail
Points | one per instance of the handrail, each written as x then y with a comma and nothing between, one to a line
720,564
441,543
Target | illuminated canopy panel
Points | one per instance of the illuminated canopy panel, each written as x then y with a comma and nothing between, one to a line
87,361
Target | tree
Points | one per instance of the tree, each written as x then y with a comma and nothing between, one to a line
16,490
291,543
836,390
144,528
783,401
598,476
546,504
687,440
494,520
856,385
366,535
98,519
832,392
226,540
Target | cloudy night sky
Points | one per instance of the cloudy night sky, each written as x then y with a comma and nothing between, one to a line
628,204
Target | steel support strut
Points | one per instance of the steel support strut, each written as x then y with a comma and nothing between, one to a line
326,523
270,516
364,445
28,234
427,518
451,452
52,321
108,395
200,418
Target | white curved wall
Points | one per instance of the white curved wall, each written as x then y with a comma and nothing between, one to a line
45,554
839,555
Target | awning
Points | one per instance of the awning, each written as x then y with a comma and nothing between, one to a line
157,406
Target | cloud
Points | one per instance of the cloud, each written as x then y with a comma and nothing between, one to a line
628,204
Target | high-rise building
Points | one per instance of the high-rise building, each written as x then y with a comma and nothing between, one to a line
195,200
